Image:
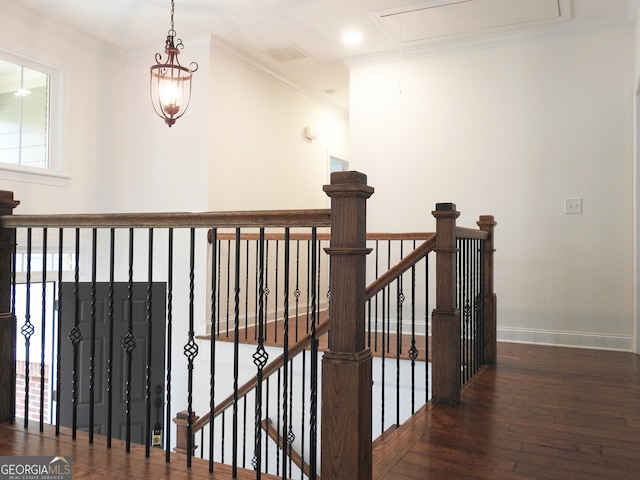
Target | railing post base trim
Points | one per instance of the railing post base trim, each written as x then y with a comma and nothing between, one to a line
343,403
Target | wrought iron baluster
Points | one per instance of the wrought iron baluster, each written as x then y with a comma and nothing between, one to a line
58,330
303,436
212,344
313,406
219,272
413,351
289,433
228,302
76,337
278,413
128,344
13,313
43,326
264,295
246,289
27,331
375,316
191,347
260,358
111,320
169,343
277,278
148,366
296,292
426,323
388,312
285,359
399,309
236,353
92,347
266,434
383,361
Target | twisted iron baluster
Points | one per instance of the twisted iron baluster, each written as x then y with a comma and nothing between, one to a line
43,326
236,350
147,390
128,344
285,359
212,343
296,292
400,302
59,331
191,348
92,347
260,358
313,406
27,331
110,315
265,290
413,351
290,435
76,337
169,343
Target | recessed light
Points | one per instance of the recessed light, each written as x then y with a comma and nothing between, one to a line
352,38
22,92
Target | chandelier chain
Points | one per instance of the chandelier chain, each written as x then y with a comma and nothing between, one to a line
172,11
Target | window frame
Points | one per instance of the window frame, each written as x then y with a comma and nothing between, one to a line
56,167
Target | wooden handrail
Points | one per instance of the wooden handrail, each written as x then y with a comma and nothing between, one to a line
271,368
263,218
463,232
325,236
296,458
402,266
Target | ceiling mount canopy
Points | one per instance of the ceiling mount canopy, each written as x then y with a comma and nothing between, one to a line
170,84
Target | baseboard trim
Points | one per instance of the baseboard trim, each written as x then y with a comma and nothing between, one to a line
567,339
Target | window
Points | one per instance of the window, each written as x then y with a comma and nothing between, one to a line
25,95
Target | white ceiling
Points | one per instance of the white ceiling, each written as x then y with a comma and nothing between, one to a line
301,39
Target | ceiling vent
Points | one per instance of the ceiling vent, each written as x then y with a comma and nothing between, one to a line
438,19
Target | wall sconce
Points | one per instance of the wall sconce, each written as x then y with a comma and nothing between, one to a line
170,84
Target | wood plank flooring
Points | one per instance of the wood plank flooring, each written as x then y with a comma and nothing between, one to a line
274,334
540,413
96,462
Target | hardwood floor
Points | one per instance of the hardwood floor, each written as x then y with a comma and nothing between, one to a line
540,413
96,462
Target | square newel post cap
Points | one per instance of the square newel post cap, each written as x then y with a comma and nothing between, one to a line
348,184
7,203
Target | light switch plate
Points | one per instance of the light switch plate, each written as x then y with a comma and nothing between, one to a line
572,205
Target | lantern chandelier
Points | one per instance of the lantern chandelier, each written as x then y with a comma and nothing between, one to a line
171,82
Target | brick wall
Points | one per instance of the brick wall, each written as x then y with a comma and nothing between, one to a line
34,390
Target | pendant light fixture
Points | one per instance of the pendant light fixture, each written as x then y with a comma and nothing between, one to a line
171,82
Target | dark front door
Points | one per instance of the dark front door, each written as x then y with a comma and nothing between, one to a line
118,358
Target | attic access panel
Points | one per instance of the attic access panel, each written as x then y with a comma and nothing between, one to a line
434,19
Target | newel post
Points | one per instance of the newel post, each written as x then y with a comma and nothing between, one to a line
346,366
487,224
7,320
445,320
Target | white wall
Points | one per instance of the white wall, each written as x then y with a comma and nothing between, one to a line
636,182
91,109
511,131
259,157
